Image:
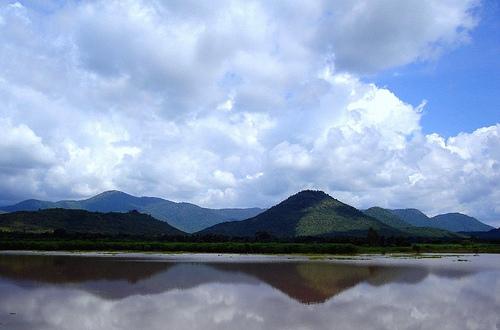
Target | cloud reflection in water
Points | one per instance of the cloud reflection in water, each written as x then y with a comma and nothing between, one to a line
99,293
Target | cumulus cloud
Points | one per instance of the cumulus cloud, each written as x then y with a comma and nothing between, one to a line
232,104
22,149
23,157
368,36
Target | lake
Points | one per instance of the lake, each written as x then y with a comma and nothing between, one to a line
140,291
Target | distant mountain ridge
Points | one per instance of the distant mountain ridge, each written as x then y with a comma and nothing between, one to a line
412,216
387,217
81,221
192,218
455,222
458,222
184,216
315,213
492,235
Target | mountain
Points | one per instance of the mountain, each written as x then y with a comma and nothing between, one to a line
81,221
387,217
491,235
109,201
413,217
27,205
307,213
192,218
391,219
455,222
185,216
459,222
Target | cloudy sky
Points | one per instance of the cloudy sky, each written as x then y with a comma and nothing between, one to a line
241,103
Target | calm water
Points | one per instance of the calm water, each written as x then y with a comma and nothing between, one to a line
202,292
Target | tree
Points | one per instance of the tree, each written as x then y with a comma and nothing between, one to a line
59,232
263,236
372,237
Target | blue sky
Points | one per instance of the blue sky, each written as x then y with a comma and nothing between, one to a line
242,103
462,86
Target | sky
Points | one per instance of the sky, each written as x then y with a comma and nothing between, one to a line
242,103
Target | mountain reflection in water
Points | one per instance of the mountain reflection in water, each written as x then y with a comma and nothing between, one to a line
131,280
116,278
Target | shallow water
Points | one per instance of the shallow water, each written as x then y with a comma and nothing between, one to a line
134,291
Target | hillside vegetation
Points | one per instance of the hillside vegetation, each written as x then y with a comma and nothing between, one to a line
318,220
80,221
389,218
185,216
307,213
455,222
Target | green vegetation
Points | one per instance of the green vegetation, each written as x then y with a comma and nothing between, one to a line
54,243
413,216
469,247
454,222
314,213
391,219
307,213
156,246
331,216
80,221
185,216
309,222
386,216
458,222
492,235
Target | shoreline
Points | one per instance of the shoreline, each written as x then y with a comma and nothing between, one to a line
448,260
240,256
245,248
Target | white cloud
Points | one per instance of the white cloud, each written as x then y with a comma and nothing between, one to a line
232,105
21,148
368,36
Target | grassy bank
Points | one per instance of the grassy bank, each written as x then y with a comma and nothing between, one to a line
435,248
239,247
219,247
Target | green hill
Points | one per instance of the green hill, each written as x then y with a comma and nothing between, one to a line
458,222
454,222
492,235
386,216
307,213
81,221
412,216
185,216
389,218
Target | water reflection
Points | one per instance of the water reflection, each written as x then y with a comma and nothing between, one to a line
69,292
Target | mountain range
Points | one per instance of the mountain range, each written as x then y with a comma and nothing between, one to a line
184,216
390,219
307,213
314,213
455,222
